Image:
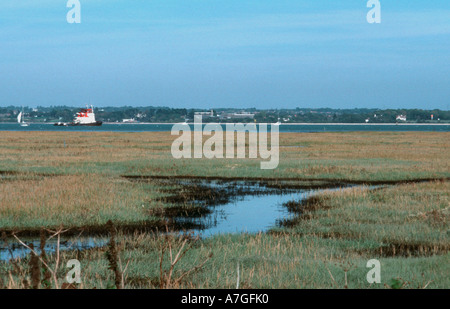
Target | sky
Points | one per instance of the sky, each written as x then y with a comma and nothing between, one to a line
226,53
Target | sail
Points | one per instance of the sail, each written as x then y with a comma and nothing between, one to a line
19,117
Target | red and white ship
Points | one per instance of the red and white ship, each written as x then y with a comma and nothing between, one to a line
85,117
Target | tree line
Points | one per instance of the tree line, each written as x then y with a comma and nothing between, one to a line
173,115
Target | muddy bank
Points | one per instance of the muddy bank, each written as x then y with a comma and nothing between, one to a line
218,192
26,173
407,250
102,230
11,176
312,203
311,183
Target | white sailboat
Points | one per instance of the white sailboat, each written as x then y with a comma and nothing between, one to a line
20,120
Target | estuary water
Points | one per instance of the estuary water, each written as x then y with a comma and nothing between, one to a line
144,127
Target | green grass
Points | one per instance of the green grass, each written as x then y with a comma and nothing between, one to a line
352,155
410,215
265,261
405,226
325,245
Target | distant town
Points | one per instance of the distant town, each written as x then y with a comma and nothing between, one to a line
128,114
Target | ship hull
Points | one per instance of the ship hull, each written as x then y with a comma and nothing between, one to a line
72,124
92,124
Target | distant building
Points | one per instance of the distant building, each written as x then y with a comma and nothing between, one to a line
367,120
401,118
243,115
238,115
129,120
205,114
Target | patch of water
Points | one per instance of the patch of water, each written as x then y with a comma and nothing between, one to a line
249,207
15,250
250,214
253,207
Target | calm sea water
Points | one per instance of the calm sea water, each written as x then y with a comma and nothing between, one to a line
283,128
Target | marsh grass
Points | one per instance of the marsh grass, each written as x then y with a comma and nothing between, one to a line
326,246
351,155
265,261
408,219
72,200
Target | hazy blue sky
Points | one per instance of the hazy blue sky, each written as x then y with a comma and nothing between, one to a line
226,53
